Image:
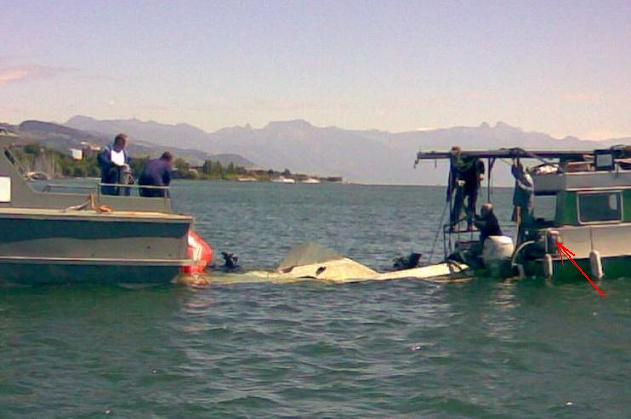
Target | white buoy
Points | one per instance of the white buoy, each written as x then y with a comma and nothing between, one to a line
496,252
596,264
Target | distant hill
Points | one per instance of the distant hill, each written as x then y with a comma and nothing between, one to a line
186,136
61,138
369,156
56,136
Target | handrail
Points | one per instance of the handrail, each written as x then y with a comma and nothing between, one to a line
134,186
475,230
96,187
50,186
447,235
166,196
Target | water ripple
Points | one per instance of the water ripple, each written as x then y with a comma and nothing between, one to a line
399,349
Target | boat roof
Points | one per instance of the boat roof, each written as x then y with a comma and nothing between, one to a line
50,213
576,170
508,153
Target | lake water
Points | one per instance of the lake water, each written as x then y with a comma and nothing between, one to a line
403,348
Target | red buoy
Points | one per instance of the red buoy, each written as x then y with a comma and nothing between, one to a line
199,252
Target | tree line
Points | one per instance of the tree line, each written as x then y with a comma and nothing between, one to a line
35,158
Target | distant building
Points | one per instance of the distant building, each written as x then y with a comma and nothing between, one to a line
76,153
87,150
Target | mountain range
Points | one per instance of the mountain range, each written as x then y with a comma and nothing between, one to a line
364,156
63,138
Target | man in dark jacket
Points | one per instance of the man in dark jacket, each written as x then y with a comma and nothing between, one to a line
464,178
157,172
114,162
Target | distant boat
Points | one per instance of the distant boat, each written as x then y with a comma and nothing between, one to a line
283,179
246,179
311,181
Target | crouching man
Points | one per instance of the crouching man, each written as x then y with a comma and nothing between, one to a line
487,223
157,172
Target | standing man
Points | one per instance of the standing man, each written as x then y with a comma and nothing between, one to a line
464,177
523,199
114,162
157,172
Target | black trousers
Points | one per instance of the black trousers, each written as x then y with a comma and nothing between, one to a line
471,196
153,193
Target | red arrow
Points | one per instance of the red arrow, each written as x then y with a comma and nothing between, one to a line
568,254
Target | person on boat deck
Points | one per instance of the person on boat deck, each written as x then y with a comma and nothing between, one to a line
114,162
157,172
523,198
464,177
487,223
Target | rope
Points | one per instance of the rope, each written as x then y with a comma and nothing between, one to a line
440,226
90,204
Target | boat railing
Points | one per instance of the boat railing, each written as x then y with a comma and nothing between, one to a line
116,189
52,187
468,235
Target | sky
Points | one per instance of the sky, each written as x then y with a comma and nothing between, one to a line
559,67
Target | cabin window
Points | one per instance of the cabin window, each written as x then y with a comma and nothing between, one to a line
600,207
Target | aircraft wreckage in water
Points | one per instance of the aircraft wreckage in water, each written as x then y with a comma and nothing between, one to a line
312,261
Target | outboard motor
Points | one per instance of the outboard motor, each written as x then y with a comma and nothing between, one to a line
230,261
496,254
407,262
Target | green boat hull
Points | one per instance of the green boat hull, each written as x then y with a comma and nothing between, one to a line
28,274
56,247
613,267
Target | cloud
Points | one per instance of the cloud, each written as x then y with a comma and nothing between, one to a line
23,73
604,134
100,77
581,98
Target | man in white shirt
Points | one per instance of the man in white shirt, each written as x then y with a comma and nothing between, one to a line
114,162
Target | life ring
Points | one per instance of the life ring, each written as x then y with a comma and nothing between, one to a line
199,252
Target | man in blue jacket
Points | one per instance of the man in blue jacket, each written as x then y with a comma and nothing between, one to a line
114,162
157,172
